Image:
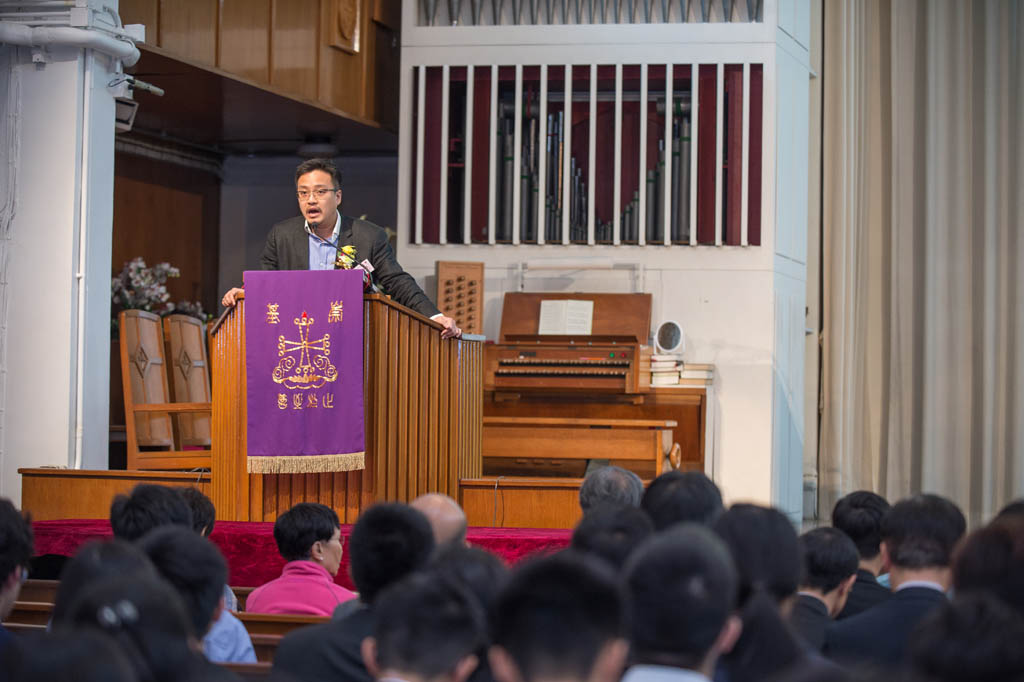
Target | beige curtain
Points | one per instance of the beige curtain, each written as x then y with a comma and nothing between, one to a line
923,213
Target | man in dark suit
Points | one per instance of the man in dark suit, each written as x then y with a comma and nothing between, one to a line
859,515
830,568
918,536
322,237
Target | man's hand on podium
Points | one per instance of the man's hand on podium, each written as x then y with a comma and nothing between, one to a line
451,330
231,298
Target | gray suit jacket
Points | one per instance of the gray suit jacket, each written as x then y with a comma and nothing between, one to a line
287,248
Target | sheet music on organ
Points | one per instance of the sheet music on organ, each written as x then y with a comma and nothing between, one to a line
566,317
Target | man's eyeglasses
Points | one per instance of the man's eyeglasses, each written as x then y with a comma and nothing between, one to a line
318,193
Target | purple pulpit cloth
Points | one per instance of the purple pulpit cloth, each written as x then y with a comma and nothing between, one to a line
304,371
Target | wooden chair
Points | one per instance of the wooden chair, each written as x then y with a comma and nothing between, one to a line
189,378
148,408
276,623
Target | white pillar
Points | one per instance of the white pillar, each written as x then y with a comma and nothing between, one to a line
57,130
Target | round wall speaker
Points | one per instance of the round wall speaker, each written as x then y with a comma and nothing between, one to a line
669,338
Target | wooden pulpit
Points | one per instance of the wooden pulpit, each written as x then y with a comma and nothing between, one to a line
423,403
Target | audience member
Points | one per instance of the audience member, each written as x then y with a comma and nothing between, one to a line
830,569
683,589
147,507
16,547
475,569
859,515
611,533
766,552
197,570
974,638
918,536
388,542
1015,508
204,515
308,536
150,626
610,485
94,562
84,655
446,518
426,629
484,575
560,618
991,559
678,496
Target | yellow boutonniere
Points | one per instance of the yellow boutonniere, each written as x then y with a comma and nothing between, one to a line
346,259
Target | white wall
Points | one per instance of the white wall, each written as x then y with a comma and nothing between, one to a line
55,283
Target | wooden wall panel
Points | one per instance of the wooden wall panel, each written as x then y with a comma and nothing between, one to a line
189,28
244,38
294,48
165,212
341,74
145,12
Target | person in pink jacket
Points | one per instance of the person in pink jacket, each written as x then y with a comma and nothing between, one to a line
308,536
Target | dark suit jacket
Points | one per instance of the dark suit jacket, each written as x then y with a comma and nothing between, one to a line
866,593
809,619
287,248
331,651
880,634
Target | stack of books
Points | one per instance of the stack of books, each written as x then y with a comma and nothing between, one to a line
669,370
694,374
665,369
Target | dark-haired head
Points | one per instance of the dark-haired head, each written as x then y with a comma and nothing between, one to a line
991,559
16,547
610,485
95,562
1014,509
147,507
204,516
475,569
683,588
561,617
388,542
975,637
830,558
146,619
766,552
193,566
680,497
859,515
921,532
296,530
425,627
325,165
84,655
611,533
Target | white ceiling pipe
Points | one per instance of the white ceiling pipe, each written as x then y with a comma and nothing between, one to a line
19,34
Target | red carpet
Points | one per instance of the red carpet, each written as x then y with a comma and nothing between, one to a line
252,553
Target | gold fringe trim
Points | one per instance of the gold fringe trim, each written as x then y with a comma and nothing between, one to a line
305,464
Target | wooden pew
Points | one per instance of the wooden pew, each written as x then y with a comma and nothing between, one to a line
265,646
249,671
20,628
242,594
39,590
31,613
275,623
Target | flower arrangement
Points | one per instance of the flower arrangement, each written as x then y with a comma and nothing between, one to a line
346,259
139,287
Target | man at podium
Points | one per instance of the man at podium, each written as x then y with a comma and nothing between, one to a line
323,239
